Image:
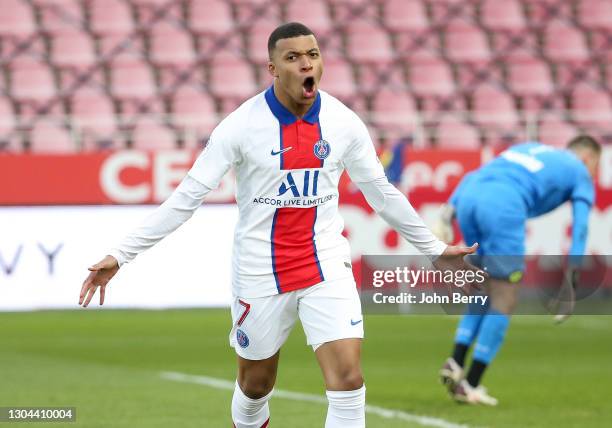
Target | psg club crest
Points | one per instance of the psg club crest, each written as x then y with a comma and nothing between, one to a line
242,338
321,149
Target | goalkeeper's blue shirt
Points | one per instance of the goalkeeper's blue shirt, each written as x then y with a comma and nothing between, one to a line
545,178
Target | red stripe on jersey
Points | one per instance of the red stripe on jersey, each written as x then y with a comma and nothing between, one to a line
294,254
301,137
265,423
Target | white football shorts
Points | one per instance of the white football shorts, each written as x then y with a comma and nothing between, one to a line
329,310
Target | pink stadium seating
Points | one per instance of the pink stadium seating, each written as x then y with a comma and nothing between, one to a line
453,133
171,46
8,140
257,42
431,78
530,78
49,136
32,80
16,18
313,13
72,49
602,45
133,81
502,15
338,79
540,12
151,135
401,15
110,17
556,132
595,13
92,110
493,106
249,13
443,12
475,73
563,42
571,73
393,109
122,49
466,43
192,107
368,43
210,16
346,12
372,77
591,105
232,78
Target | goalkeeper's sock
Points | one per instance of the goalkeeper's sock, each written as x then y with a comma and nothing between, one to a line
346,409
248,412
467,330
489,341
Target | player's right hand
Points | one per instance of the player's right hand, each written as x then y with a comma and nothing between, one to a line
99,276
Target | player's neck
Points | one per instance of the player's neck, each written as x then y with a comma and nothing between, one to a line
296,109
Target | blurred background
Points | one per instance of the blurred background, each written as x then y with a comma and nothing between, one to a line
104,105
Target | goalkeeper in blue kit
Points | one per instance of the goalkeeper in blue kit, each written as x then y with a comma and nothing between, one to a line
491,206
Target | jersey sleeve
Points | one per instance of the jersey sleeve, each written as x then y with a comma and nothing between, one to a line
583,197
222,151
360,159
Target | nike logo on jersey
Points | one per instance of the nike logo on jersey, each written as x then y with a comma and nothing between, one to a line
273,153
356,322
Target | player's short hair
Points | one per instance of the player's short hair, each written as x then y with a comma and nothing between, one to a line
287,31
584,142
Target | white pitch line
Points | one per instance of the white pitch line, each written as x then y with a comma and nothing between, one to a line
428,421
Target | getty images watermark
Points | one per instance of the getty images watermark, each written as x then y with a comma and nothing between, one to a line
410,284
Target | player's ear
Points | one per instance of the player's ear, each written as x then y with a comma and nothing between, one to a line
272,69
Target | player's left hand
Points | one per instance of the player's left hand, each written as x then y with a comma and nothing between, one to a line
453,259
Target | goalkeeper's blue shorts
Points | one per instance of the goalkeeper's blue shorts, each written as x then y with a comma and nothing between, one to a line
493,214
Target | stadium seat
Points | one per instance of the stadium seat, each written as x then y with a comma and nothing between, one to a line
210,17
368,43
373,77
431,78
556,132
9,138
232,78
194,115
249,13
110,17
16,18
402,15
502,15
465,42
338,79
530,78
447,11
21,51
595,14
256,46
453,133
32,80
391,107
493,106
49,136
591,106
132,81
432,106
314,12
151,135
72,49
171,46
92,110
563,42
347,12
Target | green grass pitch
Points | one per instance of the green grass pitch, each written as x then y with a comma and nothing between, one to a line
108,363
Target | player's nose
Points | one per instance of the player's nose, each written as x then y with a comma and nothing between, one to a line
305,64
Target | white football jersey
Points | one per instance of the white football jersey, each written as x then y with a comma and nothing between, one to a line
289,232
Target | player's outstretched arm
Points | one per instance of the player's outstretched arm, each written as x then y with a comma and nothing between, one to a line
99,276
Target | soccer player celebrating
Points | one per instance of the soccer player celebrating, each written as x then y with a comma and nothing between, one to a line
492,206
289,146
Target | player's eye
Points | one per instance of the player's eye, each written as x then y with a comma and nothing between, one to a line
291,57
314,54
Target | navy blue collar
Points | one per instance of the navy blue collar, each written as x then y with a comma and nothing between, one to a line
284,116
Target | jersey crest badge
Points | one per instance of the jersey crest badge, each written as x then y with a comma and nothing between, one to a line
322,149
242,338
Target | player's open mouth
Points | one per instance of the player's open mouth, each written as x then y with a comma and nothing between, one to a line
308,87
